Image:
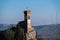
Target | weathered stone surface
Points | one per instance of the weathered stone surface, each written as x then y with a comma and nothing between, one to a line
31,35
29,31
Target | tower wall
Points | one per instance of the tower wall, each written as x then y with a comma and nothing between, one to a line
31,34
27,19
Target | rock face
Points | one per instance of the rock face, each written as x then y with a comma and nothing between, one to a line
31,35
29,31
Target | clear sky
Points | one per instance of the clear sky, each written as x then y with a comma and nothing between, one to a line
42,11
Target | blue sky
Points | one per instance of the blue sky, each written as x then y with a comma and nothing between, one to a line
42,11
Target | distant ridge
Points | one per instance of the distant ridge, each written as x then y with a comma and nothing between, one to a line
47,30
6,26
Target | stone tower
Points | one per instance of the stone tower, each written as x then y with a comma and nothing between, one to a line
30,32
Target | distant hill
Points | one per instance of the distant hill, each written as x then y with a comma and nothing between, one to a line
48,31
6,26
